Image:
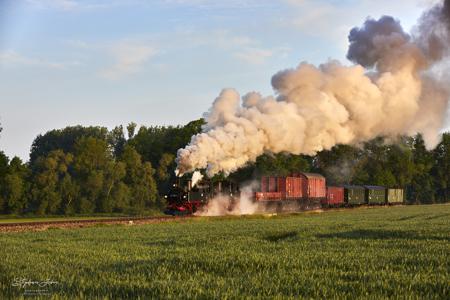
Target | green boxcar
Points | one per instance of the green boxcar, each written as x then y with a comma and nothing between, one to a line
375,194
354,195
394,196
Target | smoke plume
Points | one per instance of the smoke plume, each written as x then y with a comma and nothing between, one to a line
396,86
196,177
222,204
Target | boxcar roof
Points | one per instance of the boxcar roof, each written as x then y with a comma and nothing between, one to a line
374,187
353,187
312,175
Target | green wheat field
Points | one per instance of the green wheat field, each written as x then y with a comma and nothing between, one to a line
399,252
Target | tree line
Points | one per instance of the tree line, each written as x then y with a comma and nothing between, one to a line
85,170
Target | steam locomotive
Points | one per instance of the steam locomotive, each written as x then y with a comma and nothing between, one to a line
298,191
184,198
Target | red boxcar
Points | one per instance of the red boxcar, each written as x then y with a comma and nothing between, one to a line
264,184
273,184
282,186
268,196
313,185
295,187
335,196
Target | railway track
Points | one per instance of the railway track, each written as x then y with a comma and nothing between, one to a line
23,226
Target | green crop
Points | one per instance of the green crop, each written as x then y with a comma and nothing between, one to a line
399,252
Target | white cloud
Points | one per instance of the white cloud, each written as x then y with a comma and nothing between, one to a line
132,55
13,58
216,4
72,5
254,56
59,4
258,56
225,40
295,2
241,47
78,44
129,59
221,39
124,57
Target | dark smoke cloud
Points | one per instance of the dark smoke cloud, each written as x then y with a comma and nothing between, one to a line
364,49
433,32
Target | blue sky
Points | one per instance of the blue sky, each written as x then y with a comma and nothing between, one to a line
92,62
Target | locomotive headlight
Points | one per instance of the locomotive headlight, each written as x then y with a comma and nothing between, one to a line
184,196
165,196
202,194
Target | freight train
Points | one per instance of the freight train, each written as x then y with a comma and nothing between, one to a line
299,191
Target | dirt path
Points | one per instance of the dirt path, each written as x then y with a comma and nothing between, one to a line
39,226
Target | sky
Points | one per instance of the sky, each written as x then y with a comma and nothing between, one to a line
111,62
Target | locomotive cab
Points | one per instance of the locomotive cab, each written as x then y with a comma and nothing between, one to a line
184,199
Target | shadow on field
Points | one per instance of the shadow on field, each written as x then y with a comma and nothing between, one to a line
424,217
380,234
410,217
437,216
282,236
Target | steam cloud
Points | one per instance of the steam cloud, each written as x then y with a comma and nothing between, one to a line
397,86
222,205
196,177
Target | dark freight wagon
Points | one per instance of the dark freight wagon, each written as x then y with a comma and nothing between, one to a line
354,195
335,196
394,196
375,194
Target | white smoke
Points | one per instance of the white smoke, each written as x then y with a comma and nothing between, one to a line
196,177
246,205
218,206
223,204
319,107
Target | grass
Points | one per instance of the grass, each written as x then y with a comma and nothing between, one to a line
399,252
